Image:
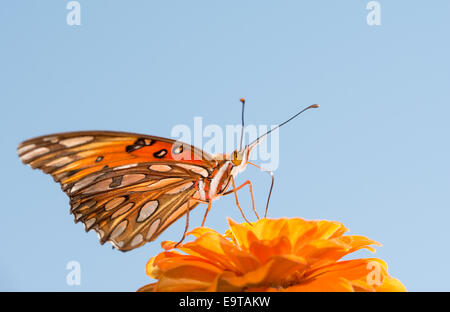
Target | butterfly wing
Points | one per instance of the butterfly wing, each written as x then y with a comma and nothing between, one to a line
127,187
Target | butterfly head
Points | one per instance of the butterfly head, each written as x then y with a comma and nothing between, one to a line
236,157
239,159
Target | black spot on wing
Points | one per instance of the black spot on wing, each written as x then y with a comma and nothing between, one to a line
160,153
177,149
116,181
139,143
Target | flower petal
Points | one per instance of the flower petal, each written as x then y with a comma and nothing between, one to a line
270,255
147,288
271,273
363,274
223,253
187,276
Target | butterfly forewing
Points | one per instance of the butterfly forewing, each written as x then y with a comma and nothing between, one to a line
127,187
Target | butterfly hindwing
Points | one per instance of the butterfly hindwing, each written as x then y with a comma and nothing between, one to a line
134,215
128,187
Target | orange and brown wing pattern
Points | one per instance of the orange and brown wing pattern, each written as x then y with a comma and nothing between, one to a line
69,157
136,213
132,206
127,187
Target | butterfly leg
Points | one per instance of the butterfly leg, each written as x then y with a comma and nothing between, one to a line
271,186
206,213
235,189
186,228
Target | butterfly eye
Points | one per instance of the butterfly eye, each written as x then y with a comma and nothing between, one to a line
236,159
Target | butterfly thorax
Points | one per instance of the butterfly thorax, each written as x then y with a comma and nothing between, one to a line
219,180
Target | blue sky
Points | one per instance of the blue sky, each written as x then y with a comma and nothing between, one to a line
375,156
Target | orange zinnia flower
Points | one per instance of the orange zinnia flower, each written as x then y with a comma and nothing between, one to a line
270,255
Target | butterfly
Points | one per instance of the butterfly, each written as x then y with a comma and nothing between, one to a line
130,187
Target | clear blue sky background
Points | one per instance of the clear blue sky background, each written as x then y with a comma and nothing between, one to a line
375,156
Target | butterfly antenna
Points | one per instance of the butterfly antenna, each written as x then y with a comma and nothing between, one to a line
242,130
283,123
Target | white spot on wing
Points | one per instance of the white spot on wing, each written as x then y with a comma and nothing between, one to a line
51,139
119,244
98,187
132,178
137,240
122,210
76,141
90,223
60,161
100,233
25,148
119,229
84,182
114,203
160,168
152,229
147,210
37,152
125,166
196,169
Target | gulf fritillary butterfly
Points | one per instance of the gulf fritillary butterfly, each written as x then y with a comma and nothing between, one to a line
130,187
